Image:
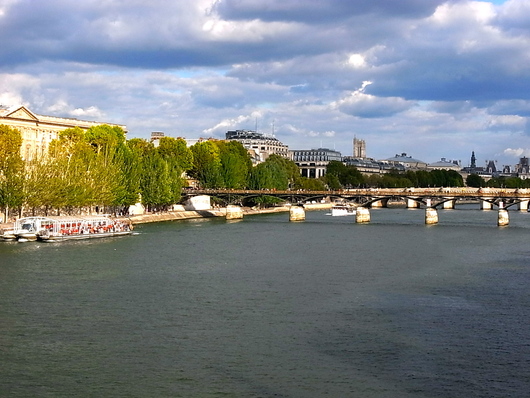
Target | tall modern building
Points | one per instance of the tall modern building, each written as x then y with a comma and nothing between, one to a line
262,145
38,130
359,148
313,162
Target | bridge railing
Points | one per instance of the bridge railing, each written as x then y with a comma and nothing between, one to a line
375,192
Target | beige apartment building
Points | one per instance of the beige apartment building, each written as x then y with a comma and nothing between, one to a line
39,130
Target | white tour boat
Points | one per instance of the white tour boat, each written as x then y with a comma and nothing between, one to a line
341,209
27,228
53,229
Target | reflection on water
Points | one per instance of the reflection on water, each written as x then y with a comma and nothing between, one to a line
264,307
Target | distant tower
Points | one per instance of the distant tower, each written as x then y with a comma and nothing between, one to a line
491,168
473,160
359,148
524,166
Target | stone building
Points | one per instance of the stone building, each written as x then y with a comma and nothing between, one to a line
372,166
444,164
39,130
262,145
359,148
313,162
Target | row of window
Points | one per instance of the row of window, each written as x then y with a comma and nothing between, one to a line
315,158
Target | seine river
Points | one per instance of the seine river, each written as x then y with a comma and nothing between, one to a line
264,307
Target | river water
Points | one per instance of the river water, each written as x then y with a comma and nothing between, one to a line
265,307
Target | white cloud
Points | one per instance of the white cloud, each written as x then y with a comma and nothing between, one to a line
357,60
91,111
510,122
360,104
517,152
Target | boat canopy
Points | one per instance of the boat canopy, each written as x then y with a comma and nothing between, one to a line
66,224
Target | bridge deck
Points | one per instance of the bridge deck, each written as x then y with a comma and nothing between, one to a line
471,193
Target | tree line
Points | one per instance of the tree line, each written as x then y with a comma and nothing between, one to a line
100,168
338,175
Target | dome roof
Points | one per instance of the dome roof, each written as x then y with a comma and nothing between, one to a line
404,159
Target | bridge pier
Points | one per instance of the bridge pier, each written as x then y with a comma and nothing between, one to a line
503,218
362,215
378,204
523,205
296,213
431,216
485,205
412,204
450,204
234,212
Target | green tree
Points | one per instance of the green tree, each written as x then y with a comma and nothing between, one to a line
71,165
11,169
155,182
106,172
235,164
338,175
269,175
476,181
206,164
290,170
176,156
332,181
177,150
312,184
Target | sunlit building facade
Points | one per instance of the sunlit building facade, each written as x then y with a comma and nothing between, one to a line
39,130
313,162
262,145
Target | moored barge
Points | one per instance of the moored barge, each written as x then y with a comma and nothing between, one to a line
60,228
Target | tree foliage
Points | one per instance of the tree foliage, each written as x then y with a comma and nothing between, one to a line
338,175
475,181
11,169
99,167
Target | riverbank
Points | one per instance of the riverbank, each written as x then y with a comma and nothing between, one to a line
218,212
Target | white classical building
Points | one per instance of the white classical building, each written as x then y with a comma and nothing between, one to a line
39,130
262,146
444,164
313,162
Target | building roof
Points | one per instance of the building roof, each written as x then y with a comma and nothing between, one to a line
23,113
444,164
403,158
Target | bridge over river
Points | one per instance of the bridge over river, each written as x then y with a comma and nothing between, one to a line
429,198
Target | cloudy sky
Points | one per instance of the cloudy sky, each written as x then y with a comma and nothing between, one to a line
430,78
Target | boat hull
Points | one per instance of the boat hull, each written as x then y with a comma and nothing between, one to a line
61,238
26,236
343,211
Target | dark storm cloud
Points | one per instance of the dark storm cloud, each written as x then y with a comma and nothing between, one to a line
322,11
